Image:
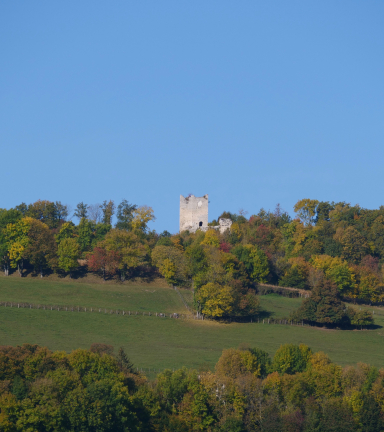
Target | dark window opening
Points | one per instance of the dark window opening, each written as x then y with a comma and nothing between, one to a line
200,223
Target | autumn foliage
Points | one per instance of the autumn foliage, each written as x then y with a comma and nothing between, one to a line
295,390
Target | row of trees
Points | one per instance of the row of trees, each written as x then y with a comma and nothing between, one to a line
94,390
336,241
41,236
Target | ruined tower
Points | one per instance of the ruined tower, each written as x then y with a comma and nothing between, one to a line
193,213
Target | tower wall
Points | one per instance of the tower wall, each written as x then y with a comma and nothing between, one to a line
193,212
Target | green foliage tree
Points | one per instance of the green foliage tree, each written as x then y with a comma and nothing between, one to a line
133,252
294,278
323,306
361,318
46,212
68,254
290,359
125,212
81,211
171,263
61,211
108,209
263,360
67,230
255,262
41,250
354,244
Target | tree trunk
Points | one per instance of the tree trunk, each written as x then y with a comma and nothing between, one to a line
41,271
104,274
70,275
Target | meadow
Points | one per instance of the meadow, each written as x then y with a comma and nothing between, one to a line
158,343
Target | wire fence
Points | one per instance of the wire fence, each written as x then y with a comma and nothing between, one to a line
182,298
190,316
94,310
129,313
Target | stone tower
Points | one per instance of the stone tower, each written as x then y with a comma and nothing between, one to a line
193,213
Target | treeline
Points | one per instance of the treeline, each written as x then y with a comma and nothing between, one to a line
94,390
40,236
341,243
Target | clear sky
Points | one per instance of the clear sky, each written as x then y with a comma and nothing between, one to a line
254,103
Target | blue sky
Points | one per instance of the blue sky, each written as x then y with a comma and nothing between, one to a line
254,103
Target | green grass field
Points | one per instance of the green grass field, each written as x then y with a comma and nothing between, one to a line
141,297
153,342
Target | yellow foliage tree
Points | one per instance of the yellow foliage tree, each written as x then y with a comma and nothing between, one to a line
17,239
168,271
216,300
211,238
306,210
141,216
234,363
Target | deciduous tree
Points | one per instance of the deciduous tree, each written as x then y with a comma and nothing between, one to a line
323,306
306,210
141,216
108,209
103,260
215,300
125,214
81,211
68,254
41,249
133,252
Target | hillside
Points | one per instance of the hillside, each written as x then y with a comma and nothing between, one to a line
159,343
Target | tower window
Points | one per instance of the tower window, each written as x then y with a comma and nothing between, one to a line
200,224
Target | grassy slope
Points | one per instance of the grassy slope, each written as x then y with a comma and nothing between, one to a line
142,297
158,342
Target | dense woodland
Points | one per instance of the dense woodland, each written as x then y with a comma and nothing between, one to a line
93,390
327,243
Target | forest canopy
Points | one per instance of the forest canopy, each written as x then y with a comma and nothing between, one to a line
248,391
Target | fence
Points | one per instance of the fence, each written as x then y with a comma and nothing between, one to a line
96,310
125,313
182,298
